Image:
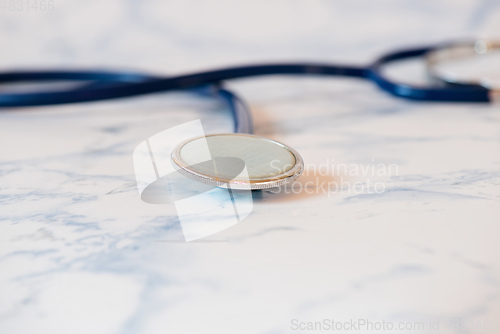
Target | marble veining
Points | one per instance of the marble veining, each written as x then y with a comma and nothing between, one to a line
81,253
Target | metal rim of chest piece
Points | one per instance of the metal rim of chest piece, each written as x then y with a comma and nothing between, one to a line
252,183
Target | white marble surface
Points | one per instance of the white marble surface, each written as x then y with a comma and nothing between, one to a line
80,252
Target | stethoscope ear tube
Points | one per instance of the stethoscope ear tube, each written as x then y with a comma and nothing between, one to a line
450,93
109,85
241,112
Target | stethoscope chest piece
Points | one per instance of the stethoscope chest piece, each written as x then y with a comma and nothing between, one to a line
237,161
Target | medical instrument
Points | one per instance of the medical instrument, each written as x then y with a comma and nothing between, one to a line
103,85
268,163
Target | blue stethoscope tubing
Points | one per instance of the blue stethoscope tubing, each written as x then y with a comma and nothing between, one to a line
104,85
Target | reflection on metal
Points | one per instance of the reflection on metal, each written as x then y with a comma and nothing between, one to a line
495,96
461,52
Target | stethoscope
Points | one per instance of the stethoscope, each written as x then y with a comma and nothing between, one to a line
258,153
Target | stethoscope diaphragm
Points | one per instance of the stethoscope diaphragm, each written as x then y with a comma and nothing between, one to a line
237,161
